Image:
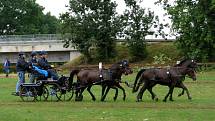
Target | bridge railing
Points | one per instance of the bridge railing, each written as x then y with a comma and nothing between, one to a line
44,37
31,37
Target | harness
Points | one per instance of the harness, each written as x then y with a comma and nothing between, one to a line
181,76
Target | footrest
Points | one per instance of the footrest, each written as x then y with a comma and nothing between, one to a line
29,85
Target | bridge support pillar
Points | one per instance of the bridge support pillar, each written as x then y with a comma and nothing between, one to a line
74,54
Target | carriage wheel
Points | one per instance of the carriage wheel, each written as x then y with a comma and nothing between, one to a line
54,92
69,94
28,94
58,93
45,93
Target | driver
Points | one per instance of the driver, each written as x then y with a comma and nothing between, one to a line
43,64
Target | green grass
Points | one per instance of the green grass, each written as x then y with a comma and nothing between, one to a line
201,108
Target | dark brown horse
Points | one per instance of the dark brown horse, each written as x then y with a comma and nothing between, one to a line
171,77
87,78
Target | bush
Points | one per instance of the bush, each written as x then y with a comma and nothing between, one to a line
161,59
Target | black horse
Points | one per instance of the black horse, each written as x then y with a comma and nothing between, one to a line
171,77
88,77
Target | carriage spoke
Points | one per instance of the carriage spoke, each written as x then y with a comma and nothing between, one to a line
28,94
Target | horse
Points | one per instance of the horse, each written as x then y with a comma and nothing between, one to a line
171,77
88,77
180,83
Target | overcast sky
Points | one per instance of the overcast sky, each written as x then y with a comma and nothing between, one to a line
57,7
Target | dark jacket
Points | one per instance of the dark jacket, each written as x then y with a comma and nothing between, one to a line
32,61
43,64
21,65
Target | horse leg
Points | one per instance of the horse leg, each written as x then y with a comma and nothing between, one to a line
179,85
123,90
140,94
76,94
77,91
170,90
80,97
103,89
88,89
170,98
105,94
185,88
182,92
116,93
154,97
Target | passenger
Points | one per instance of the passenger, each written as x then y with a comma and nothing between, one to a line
43,64
32,61
21,67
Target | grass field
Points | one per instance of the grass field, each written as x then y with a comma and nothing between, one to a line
201,108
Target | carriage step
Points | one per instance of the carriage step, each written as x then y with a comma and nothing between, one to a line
15,93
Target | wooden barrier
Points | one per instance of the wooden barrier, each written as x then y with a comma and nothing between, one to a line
206,66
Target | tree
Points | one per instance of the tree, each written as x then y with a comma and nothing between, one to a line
193,21
91,24
50,24
137,25
24,17
108,24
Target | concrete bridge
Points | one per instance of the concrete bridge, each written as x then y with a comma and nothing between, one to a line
10,45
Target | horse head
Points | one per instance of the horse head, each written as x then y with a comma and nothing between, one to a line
121,67
191,73
124,65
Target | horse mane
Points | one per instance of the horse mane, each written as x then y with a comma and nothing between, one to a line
181,62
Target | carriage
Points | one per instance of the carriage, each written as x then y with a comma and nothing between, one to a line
53,90
46,89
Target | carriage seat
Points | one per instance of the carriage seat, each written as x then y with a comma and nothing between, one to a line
39,76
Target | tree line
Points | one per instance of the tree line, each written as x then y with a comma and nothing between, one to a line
93,26
25,17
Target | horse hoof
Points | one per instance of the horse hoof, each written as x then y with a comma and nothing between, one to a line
179,95
189,98
164,100
94,99
171,100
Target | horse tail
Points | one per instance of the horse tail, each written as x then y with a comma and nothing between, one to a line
72,73
135,89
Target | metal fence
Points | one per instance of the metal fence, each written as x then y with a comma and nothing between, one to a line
44,37
33,37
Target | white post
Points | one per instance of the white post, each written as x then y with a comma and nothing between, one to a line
100,65
100,69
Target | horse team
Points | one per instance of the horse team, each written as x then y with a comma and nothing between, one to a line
146,79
